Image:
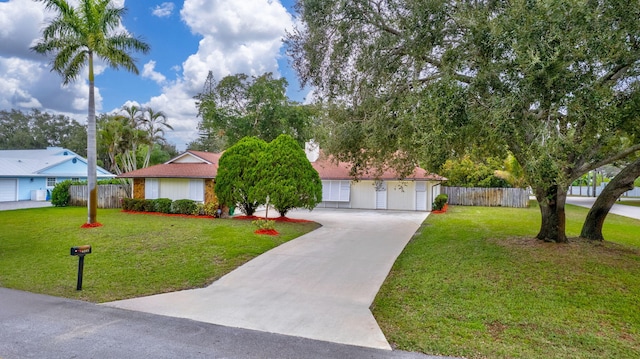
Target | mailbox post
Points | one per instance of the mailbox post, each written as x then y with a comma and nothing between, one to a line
80,251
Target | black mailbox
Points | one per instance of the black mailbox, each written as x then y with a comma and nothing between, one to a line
80,250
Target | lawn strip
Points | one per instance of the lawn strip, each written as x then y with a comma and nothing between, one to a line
133,255
476,284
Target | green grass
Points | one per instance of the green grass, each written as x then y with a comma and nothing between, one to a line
133,254
630,202
473,283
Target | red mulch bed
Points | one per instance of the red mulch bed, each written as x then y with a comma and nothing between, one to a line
269,232
91,225
443,210
277,219
170,214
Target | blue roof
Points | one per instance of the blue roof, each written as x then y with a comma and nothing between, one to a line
52,161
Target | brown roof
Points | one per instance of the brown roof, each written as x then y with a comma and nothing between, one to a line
329,169
208,168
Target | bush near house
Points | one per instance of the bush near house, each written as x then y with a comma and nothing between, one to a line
163,205
440,201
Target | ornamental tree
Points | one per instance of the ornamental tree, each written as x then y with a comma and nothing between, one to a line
286,178
237,174
420,81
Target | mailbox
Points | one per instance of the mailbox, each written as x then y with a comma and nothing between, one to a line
80,250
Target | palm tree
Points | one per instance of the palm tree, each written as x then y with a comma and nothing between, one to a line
136,120
77,35
155,123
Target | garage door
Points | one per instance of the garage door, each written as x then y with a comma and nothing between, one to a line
8,189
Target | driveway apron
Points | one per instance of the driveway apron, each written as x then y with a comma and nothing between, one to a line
318,286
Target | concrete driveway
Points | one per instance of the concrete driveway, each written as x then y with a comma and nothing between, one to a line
619,209
318,286
7,206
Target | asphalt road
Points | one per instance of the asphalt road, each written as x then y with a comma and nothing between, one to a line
39,326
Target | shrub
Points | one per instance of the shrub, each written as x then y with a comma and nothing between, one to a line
149,205
184,206
138,205
60,196
207,209
135,204
440,201
163,205
127,204
264,224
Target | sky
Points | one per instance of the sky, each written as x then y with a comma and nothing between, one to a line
188,39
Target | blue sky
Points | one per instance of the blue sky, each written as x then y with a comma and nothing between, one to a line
188,38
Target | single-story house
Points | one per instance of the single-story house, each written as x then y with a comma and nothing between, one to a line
188,176
415,192
191,175
32,174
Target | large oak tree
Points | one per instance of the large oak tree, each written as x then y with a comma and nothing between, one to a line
419,81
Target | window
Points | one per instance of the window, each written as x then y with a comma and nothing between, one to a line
336,191
51,182
75,179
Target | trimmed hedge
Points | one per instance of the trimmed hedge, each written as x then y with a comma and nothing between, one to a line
165,205
184,206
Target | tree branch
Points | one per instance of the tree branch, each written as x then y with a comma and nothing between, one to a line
587,166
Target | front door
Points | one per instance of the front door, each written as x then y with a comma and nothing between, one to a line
381,195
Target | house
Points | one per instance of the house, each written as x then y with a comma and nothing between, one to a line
191,175
188,176
32,174
415,192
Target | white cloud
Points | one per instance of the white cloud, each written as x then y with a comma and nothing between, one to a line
163,10
237,36
26,80
148,71
20,22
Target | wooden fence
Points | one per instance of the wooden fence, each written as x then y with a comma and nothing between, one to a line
490,197
109,195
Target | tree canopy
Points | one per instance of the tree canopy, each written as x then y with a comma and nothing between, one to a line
37,130
239,105
286,179
553,82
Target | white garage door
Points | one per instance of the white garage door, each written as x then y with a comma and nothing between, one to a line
8,189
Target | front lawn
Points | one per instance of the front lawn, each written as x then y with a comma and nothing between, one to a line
133,254
630,202
474,283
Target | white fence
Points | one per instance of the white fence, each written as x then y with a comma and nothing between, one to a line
488,197
587,191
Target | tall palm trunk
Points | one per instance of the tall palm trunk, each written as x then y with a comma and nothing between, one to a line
92,203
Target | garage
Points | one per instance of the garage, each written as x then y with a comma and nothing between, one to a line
8,189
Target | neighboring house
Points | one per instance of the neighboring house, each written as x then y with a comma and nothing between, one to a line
191,175
32,174
188,176
413,193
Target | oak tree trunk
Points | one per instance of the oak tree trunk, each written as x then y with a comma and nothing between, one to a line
622,182
553,225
